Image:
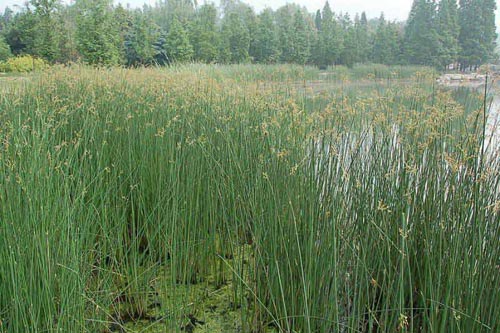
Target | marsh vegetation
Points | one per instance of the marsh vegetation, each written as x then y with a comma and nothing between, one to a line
243,199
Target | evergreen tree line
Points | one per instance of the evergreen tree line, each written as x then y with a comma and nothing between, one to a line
96,32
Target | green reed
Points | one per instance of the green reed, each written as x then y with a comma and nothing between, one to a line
325,212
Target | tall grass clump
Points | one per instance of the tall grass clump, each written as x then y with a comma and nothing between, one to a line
244,73
379,72
144,195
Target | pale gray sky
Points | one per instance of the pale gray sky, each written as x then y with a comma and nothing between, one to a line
393,9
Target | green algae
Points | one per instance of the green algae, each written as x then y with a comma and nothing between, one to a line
218,303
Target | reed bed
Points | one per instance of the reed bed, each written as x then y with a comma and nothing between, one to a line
143,196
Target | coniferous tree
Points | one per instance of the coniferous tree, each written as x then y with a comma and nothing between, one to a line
68,43
248,22
380,52
266,39
47,30
98,39
448,30
5,18
140,41
20,32
470,44
235,39
362,39
386,43
178,47
224,52
160,48
300,40
421,41
204,35
317,47
251,24
314,39
393,42
317,20
437,33
330,38
285,22
488,36
348,53
4,50
123,20
166,11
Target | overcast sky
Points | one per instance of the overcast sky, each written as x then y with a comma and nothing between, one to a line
393,9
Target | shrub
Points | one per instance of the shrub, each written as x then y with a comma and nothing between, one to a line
22,64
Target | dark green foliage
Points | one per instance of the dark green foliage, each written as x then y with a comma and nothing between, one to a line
469,30
488,35
330,39
5,18
317,20
160,47
284,22
300,40
20,31
124,22
362,39
448,29
238,45
48,29
97,35
251,23
37,30
348,56
421,41
266,39
204,35
166,11
441,35
4,50
67,40
438,33
178,47
235,39
386,43
140,41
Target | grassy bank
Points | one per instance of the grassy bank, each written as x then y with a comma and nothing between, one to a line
146,195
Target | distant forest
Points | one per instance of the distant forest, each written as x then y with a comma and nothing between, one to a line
436,33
